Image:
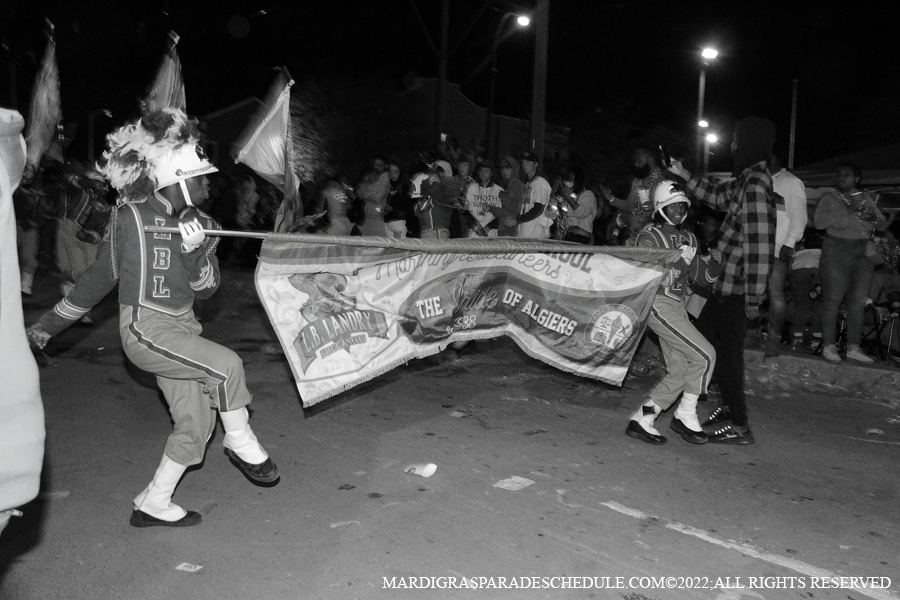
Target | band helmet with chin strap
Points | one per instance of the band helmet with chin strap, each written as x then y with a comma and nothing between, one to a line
180,165
665,193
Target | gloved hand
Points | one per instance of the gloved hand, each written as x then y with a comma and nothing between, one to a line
191,235
37,335
687,253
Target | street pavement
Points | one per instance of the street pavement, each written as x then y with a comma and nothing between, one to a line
535,482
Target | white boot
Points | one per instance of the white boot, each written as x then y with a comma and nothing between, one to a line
687,411
27,281
240,438
646,418
156,500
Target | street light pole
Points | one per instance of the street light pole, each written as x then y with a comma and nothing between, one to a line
708,54
489,123
91,118
707,140
539,90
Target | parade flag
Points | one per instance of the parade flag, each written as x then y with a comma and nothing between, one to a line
45,110
345,314
167,90
266,148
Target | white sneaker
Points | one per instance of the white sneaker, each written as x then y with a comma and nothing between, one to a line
854,353
830,354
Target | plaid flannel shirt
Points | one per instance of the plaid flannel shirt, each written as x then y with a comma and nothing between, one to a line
748,231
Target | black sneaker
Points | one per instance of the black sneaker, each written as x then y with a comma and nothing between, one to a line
731,434
716,418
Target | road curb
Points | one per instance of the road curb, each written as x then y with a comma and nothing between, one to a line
879,381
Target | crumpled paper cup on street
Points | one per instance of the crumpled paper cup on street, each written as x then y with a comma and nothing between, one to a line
423,469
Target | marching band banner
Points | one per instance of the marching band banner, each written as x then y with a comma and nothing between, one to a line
347,309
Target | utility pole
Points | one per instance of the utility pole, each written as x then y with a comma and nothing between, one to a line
440,104
539,93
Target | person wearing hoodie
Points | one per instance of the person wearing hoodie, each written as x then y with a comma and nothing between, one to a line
747,244
511,197
21,409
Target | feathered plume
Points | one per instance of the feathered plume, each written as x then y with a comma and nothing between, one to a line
133,151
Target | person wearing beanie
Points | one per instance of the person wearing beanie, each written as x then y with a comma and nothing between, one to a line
160,169
747,244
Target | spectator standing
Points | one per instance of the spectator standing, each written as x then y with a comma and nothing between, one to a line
374,189
336,196
399,204
805,290
483,201
790,223
511,197
439,199
534,219
581,208
748,248
637,207
849,218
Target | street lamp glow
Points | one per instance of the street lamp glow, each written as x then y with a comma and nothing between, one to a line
709,53
523,21
703,123
712,138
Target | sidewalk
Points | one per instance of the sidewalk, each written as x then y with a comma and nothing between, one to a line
879,381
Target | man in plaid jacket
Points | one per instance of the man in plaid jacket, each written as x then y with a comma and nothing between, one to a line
747,244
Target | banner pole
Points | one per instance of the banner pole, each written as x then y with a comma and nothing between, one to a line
220,232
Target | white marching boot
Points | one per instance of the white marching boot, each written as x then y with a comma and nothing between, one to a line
685,422
640,427
243,448
153,506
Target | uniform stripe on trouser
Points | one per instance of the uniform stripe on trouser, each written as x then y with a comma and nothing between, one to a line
688,342
221,390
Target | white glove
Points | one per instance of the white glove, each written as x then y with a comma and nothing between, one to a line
191,235
687,253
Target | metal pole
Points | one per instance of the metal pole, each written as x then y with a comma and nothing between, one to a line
701,92
489,124
440,105
705,155
793,126
539,93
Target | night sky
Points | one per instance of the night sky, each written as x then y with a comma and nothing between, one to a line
642,52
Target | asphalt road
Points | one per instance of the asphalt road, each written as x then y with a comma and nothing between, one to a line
816,498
